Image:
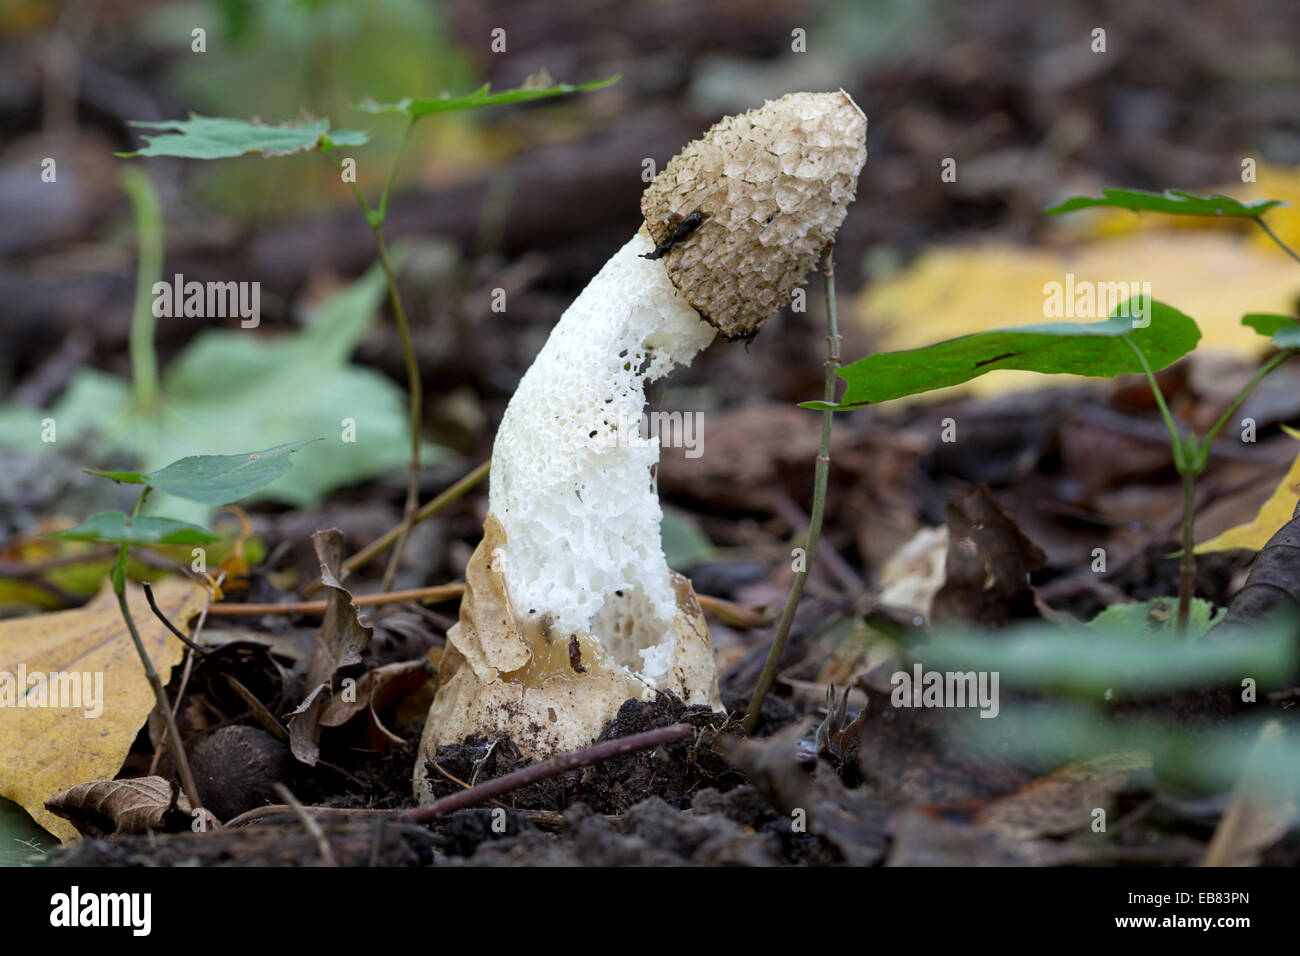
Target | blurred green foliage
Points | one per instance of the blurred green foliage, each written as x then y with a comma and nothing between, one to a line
283,60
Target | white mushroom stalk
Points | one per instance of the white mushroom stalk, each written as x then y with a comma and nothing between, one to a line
570,607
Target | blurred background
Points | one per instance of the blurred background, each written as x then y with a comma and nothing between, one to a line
533,198
980,116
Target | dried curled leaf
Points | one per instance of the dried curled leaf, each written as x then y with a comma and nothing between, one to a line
988,563
107,807
342,637
374,691
741,215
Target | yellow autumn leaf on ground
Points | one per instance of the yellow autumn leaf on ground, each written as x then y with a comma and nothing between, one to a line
73,694
1274,513
1214,277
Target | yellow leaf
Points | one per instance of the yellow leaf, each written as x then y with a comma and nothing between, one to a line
1214,277
45,750
1275,512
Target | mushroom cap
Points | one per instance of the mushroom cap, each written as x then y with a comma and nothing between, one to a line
741,215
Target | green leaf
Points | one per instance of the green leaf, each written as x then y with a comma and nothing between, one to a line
481,97
1156,617
1173,201
116,527
217,137
1283,329
1095,349
214,479
231,389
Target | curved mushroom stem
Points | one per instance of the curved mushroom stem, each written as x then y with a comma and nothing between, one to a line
570,607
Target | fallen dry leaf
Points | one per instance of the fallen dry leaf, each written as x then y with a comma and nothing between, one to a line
914,574
45,750
342,636
987,566
339,643
1274,513
1063,802
304,725
107,807
374,691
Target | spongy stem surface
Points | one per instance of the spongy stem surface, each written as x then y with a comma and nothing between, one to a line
571,477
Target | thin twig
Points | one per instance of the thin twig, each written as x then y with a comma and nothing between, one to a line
736,615
459,782
820,476
317,834
449,775
189,669
259,710
431,595
789,511
545,818
157,611
548,768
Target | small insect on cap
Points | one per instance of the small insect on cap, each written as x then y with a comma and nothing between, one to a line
741,215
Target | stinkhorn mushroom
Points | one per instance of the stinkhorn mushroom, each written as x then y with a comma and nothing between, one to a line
570,607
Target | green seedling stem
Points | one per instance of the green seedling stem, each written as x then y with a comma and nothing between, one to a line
1191,456
820,476
376,219
159,692
149,229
